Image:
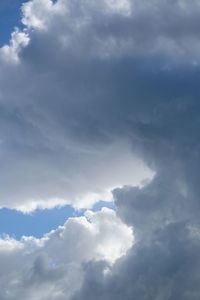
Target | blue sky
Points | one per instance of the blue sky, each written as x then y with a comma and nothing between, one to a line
16,224
10,15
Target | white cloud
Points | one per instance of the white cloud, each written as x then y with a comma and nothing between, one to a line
51,267
38,13
10,53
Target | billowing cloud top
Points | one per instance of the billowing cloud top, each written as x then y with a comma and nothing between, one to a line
50,268
100,100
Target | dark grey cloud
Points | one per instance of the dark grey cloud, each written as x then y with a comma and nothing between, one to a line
163,264
164,268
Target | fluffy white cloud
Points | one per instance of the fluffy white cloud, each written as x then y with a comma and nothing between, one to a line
38,13
51,267
10,53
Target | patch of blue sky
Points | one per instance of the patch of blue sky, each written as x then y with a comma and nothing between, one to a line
16,224
10,15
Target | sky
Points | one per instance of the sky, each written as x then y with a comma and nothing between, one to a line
99,150
10,15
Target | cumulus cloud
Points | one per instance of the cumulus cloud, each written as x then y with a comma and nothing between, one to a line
100,97
50,267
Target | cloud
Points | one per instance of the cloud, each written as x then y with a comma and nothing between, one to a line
122,27
102,96
164,268
50,267
56,147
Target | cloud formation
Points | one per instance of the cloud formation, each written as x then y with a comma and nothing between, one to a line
56,145
95,96
50,267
